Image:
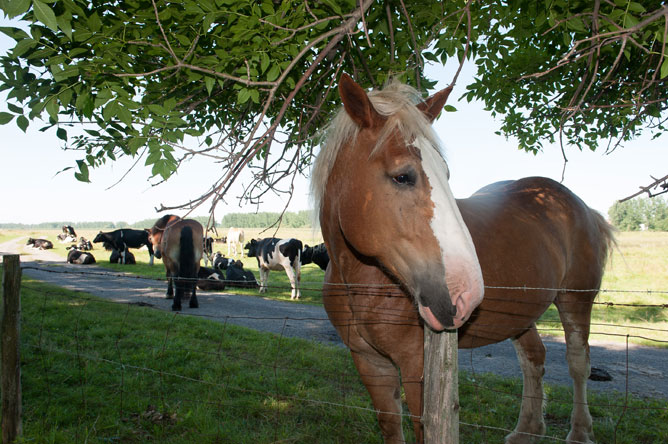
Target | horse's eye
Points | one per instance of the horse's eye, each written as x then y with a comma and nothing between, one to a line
404,179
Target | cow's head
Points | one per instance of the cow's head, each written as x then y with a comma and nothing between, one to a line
252,248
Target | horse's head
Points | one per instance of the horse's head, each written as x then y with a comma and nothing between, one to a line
155,237
385,189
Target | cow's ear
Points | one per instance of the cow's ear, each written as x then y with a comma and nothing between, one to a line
433,105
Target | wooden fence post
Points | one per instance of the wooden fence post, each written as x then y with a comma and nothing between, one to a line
440,412
11,343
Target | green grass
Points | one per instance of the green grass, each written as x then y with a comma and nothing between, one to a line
95,371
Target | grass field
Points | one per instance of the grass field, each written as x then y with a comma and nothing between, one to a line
95,371
637,274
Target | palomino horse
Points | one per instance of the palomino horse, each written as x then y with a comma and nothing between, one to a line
179,243
402,255
235,241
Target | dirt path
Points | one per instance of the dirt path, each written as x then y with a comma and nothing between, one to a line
647,366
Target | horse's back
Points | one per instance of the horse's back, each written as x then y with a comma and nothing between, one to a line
533,233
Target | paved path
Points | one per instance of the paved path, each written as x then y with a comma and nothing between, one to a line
647,366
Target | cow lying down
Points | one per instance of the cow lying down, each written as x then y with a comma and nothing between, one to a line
115,257
238,277
76,256
210,279
42,244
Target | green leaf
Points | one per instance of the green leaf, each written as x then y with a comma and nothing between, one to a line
14,8
82,175
52,108
62,134
664,68
209,82
45,14
5,118
243,95
273,73
264,62
65,25
22,122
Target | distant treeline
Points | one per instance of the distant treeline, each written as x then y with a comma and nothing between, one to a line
243,220
262,220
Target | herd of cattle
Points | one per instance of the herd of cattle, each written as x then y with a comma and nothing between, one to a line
271,254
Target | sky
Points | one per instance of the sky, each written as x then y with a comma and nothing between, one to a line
33,192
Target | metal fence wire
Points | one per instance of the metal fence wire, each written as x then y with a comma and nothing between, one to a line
153,370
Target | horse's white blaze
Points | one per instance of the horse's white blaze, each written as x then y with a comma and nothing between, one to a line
463,276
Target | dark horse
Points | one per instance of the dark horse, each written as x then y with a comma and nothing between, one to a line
179,243
404,253
124,238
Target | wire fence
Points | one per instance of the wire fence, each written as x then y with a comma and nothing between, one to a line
99,369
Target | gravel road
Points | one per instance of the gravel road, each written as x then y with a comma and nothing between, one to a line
647,366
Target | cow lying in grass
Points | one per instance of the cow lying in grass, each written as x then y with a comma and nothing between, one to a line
116,257
238,277
42,244
76,256
210,279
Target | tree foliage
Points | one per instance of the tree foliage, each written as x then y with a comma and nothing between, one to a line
636,214
249,83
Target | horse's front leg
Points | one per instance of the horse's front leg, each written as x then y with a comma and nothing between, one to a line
381,379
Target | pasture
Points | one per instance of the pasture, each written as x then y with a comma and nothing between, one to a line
636,274
95,371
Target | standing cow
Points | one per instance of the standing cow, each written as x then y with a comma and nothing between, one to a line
274,254
235,238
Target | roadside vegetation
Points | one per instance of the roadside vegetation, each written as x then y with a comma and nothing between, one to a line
95,371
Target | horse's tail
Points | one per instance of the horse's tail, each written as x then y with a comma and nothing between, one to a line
607,232
187,266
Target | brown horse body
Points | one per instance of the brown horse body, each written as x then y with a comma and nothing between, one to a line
178,242
532,233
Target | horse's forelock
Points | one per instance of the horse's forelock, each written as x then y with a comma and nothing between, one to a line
397,102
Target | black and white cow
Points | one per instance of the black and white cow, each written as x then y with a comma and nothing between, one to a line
42,244
66,238
276,254
219,261
210,279
238,277
124,238
115,257
207,250
76,256
317,255
68,230
84,244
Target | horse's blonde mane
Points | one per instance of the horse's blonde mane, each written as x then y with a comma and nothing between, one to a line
397,102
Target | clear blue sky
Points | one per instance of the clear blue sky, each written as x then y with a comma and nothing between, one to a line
33,193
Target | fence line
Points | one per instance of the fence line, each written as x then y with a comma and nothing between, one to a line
82,356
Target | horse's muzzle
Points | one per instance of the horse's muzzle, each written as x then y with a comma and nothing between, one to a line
157,253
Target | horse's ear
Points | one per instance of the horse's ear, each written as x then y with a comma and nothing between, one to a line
433,105
357,103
